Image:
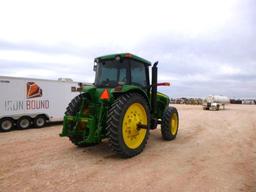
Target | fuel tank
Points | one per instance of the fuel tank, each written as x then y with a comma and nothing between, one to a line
217,99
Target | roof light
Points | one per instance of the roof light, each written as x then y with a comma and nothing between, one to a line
118,58
105,95
128,55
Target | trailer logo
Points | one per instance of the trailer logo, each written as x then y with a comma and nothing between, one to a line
33,90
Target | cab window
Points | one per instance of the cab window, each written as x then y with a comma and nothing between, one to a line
138,74
111,73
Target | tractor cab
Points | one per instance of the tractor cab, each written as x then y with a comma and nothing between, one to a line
121,69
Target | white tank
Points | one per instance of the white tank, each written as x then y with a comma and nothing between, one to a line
217,99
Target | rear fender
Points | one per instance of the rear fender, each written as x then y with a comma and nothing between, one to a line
130,89
162,104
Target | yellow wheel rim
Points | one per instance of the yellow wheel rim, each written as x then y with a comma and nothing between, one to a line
134,115
174,123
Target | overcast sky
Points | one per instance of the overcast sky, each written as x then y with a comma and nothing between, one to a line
203,46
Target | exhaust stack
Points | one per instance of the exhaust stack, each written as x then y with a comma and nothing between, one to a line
154,88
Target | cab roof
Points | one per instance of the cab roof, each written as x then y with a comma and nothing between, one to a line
124,55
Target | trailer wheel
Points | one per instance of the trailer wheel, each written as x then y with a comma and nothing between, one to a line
40,121
24,122
6,124
125,116
170,123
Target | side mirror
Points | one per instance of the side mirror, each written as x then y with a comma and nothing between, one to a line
95,67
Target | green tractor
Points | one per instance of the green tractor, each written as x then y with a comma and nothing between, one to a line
121,105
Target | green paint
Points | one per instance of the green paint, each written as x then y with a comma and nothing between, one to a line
124,55
91,126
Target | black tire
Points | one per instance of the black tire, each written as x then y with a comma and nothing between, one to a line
72,109
39,121
24,122
6,124
169,132
74,105
115,121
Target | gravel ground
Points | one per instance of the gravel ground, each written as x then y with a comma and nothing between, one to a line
214,151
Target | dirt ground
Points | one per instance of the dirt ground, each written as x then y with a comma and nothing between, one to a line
214,151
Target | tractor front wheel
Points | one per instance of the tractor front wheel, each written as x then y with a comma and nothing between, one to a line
170,123
72,109
128,124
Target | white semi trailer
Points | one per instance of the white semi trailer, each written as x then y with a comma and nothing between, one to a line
25,101
214,102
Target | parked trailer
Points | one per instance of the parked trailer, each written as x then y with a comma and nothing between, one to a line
214,102
25,101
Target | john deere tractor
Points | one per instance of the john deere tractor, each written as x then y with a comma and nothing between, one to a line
122,105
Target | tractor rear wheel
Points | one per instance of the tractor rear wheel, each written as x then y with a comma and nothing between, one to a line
170,123
72,109
128,124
